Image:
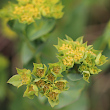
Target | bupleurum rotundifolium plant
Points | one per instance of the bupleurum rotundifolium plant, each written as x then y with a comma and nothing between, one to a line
26,11
49,81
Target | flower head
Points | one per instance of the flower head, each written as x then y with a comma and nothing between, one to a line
39,70
27,11
31,91
78,53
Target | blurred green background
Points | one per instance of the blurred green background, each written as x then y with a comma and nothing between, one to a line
89,18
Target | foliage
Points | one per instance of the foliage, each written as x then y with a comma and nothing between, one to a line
4,63
49,82
60,83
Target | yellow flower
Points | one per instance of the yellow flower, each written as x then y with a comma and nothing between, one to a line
65,46
71,51
26,18
86,75
24,78
45,11
89,51
78,56
80,49
51,77
52,96
34,9
76,42
68,61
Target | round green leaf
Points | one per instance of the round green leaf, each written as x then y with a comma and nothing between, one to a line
40,28
74,77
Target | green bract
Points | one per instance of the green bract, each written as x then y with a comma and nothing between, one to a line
86,75
61,85
31,90
53,97
75,57
39,70
56,69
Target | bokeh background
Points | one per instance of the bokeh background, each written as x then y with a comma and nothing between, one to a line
88,18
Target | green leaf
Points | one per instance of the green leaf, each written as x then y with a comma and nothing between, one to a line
106,34
26,54
70,96
17,26
34,32
15,81
81,104
74,77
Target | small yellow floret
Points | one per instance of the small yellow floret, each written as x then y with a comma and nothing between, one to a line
80,49
68,61
18,10
76,42
45,10
78,56
65,46
30,88
100,62
94,70
83,67
91,53
71,51
24,78
26,18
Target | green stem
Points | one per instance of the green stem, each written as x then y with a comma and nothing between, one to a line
38,58
31,47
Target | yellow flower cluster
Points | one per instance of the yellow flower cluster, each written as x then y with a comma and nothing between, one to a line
85,57
73,52
68,61
47,82
26,11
